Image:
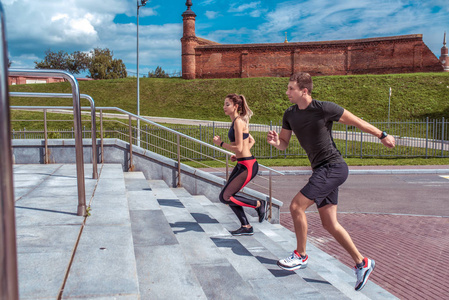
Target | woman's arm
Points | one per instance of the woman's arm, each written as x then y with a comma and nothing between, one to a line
251,141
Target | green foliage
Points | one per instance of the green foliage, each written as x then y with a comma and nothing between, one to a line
98,62
158,73
61,60
103,66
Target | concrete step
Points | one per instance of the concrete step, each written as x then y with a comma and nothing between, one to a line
267,251
162,270
332,278
183,242
104,264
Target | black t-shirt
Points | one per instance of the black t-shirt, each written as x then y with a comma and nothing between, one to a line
313,128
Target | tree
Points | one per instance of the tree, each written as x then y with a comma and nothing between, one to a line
158,73
103,66
61,60
98,62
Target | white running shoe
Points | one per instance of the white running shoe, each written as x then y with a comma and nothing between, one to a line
363,273
293,262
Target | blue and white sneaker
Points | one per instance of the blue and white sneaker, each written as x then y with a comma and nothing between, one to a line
363,273
293,262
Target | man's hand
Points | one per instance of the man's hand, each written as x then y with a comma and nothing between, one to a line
389,141
273,138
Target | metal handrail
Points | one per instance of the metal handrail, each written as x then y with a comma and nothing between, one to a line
177,133
8,247
61,95
77,126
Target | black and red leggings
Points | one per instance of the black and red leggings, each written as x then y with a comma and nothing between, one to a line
245,170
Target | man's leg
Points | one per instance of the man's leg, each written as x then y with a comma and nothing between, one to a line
298,208
328,215
298,259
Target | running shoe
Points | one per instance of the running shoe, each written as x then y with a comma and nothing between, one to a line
262,210
243,231
363,273
293,262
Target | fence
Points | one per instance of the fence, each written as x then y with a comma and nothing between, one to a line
417,138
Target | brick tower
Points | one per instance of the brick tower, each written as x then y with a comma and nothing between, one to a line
444,58
188,41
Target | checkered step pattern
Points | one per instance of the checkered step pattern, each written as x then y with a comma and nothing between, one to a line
183,250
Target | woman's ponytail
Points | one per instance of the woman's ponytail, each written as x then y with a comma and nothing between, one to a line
246,111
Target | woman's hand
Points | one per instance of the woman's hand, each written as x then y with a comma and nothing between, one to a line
217,140
233,158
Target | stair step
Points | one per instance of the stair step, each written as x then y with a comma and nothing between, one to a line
236,247
99,251
156,248
183,241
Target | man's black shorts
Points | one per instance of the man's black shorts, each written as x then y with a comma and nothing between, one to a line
324,182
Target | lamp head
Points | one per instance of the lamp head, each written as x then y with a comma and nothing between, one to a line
143,2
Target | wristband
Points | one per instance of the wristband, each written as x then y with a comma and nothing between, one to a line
221,144
383,135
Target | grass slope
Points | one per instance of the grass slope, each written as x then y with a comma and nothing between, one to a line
415,96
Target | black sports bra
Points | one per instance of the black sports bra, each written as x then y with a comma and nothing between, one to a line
231,133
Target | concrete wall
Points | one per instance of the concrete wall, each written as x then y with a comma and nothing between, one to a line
154,166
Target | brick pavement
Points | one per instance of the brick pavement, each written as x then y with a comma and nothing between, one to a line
411,252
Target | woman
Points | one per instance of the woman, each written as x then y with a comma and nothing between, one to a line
236,107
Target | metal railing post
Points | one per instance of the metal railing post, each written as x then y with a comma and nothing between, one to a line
46,160
131,167
227,166
271,147
442,137
346,142
270,191
92,112
101,136
427,136
77,126
179,161
9,286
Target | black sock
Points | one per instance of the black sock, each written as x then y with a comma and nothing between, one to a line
360,265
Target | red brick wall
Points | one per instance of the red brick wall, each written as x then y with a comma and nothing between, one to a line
401,54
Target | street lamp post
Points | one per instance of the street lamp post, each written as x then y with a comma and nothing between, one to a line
142,3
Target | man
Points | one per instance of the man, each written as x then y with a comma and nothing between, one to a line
311,121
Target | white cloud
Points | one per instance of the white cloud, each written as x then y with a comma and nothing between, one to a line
211,14
81,25
243,7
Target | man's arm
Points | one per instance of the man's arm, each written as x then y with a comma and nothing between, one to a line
350,119
281,140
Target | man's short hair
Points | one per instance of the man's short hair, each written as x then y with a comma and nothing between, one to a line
304,80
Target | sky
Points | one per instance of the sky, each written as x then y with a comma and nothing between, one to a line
35,26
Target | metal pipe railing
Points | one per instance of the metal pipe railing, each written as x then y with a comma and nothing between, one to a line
61,95
9,285
77,126
130,116
179,135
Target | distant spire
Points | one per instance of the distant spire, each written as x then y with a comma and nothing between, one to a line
286,41
189,4
444,40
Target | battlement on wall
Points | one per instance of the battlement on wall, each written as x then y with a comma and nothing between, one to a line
337,43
